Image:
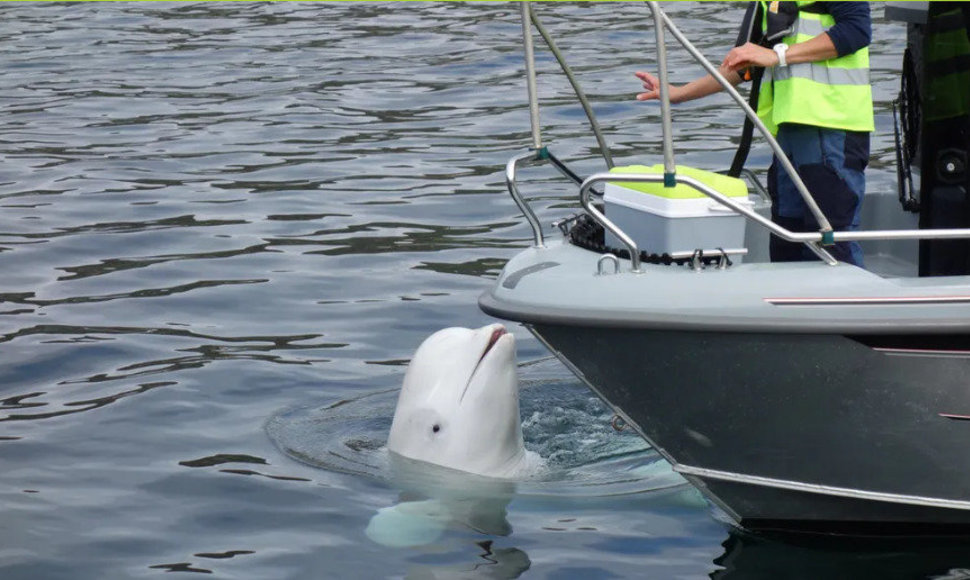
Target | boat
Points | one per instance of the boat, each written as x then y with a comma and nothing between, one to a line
811,396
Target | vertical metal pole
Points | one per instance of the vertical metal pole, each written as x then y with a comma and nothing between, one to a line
594,125
668,135
530,73
786,164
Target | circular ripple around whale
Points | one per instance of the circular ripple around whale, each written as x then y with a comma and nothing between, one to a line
561,421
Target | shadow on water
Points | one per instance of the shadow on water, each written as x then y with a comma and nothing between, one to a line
748,556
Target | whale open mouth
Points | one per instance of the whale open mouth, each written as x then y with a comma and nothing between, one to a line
496,334
492,341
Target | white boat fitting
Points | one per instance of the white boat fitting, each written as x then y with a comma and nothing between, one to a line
800,396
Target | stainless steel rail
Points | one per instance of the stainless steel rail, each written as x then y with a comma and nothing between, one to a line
587,108
510,175
824,224
813,240
530,73
670,168
759,188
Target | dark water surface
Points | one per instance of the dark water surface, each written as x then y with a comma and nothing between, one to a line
219,217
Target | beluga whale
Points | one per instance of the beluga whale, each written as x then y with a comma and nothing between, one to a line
459,405
458,410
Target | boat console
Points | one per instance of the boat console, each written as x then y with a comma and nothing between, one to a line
934,129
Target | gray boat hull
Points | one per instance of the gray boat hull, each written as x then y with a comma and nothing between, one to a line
791,431
794,396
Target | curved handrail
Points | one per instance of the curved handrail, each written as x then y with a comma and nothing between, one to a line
756,184
813,240
530,216
783,160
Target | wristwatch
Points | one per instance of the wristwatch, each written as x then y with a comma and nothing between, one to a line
781,48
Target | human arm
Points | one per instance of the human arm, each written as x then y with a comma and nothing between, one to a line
748,55
853,26
696,89
852,30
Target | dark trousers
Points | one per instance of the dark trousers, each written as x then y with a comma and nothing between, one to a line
831,163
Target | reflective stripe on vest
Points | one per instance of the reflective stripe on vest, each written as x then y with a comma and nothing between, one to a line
822,74
834,93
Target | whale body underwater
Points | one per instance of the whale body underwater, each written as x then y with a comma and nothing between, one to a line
459,405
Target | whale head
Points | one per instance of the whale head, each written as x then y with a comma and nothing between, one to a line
459,405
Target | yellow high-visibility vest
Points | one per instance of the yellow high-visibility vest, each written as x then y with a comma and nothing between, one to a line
833,93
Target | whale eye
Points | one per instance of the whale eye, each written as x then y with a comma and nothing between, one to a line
436,428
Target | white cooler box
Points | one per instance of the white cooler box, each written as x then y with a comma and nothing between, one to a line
675,219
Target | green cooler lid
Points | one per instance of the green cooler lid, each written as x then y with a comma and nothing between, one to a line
728,186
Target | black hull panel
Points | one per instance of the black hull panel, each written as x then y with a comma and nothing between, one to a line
810,429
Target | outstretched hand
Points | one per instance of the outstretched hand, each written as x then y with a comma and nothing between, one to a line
651,86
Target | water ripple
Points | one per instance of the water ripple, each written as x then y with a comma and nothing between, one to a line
213,211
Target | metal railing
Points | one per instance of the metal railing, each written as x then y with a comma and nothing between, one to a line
812,239
815,241
663,21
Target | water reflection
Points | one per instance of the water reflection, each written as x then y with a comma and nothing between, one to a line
748,556
105,387
434,500
483,268
489,562
229,458
405,237
211,212
438,506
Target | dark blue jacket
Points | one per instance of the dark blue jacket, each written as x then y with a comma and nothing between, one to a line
853,26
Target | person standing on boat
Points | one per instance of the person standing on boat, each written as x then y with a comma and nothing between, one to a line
816,99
